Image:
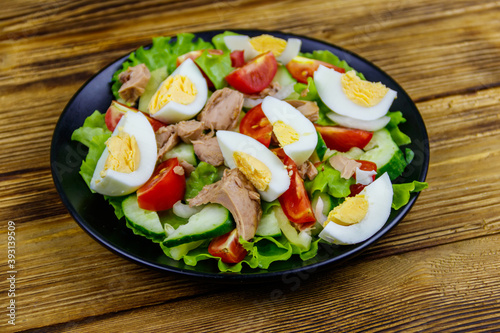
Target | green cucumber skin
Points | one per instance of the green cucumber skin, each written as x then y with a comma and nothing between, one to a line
136,219
387,155
395,166
179,237
140,231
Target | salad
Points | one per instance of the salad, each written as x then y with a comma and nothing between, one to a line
245,151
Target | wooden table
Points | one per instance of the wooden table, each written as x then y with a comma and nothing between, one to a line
438,270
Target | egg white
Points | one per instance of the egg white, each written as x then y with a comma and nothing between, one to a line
242,42
379,195
329,87
174,112
230,142
276,110
116,183
366,125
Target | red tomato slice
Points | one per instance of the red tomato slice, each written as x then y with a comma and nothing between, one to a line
115,112
237,58
301,68
295,202
256,125
356,189
228,248
164,188
365,166
342,138
255,75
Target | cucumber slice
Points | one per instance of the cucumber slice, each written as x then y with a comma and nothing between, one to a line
157,77
268,225
184,152
386,154
142,222
179,251
212,221
283,77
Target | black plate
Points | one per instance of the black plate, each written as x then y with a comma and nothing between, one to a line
97,218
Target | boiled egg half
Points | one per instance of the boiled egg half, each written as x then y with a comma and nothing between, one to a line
347,95
262,168
283,50
128,160
360,217
181,95
295,133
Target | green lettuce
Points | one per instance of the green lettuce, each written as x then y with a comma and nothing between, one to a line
163,52
329,181
204,174
94,135
262,252
399,137
218,40
402,192
216,67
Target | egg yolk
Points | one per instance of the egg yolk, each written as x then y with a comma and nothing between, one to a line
177,88
257,172
362,92
285,134
351,211
266,43
124,155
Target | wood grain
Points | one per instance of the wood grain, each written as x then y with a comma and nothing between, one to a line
436,271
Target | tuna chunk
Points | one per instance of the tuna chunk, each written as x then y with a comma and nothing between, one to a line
308,108
166,139
345,165
134,81
235,192
207,149
189,131
222,110
307,170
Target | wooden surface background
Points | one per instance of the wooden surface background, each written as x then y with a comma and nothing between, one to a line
438,270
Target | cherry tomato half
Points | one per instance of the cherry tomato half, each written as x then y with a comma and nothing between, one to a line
255,75
343,139
228,248
301,68
115,112
295,202
256,125
164,188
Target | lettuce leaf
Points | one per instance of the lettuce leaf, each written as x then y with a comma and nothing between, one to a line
402,192
399,137
262,252
204,174
329,181
216,67
163,52
218,40
94,135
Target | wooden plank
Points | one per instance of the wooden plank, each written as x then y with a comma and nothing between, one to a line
429,290
444,213
454,39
